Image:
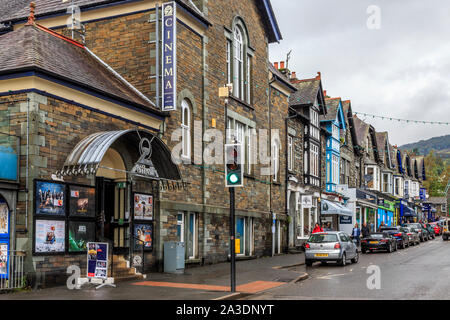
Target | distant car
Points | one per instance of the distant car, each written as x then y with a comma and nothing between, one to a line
423,233
329,246
402,238
437,228
379,241
430,230
413,235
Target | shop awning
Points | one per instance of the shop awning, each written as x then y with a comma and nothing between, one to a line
87,155
409,212
329,207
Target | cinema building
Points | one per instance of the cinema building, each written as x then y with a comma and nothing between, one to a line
88,130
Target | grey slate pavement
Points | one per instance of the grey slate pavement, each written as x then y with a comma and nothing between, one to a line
263,269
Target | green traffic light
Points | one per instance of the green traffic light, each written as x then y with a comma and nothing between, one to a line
233,178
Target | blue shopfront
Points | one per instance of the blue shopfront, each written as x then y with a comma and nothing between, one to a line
407,214
386,211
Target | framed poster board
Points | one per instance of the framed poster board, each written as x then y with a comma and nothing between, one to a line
143,206
97,260
3,260
80,234
50,198
81,201
49,236
143,232
4,218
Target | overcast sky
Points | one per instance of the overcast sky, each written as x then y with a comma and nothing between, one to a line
401,70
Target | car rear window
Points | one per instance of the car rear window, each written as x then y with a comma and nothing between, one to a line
321,238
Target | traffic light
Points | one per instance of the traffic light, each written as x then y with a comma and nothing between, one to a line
234,174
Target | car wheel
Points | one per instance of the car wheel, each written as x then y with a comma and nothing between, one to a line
363,251
343,260
395,247
389,250
403,245
308,263
356,258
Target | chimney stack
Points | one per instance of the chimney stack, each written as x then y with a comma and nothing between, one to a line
319,76
294,75
325,93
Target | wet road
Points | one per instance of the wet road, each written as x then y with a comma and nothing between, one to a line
416,273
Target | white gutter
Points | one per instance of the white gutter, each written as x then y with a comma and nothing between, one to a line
140,94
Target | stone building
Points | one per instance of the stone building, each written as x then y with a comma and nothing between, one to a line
95,122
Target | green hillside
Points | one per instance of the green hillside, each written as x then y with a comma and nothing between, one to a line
441,146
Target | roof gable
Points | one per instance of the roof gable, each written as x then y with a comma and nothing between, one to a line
335,112
308,92
270,19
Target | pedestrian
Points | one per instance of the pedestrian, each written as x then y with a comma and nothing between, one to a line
356,234
329,228
317,228
365,230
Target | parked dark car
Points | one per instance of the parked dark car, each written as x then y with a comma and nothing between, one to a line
423,233
397,233
430,230
413,235
379,241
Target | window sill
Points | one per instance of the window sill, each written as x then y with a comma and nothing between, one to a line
245,104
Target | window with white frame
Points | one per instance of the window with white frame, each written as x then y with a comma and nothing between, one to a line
239,63
242,133
372,175
314,127
290,153
314,160
386,182
398,188
335,132
335,160
186,129
276,159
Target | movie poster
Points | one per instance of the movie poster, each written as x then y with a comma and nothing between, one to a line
3,259
143,233
4,213
50,198
97,258
143,207
50,236
82,201
80,233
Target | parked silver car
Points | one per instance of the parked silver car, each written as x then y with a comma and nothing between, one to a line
330,246
413,235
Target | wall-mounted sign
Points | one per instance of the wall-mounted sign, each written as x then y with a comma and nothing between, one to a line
144,166
345,220
50,236
169,56
306,202
80,233
4,213
97,260
143,234
82,201
3,259
8,159
50,198
143,207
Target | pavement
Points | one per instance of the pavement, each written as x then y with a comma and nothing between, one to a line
210,282
415,273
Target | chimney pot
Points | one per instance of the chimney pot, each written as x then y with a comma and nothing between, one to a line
294,75
276,65
282,65
30,21
319,76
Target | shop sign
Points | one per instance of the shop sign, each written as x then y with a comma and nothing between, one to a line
144,166
307,202
345,220
423,194
97,260
169,56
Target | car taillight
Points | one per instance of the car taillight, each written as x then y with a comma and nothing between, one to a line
409,234
337,246
384,240
364,241
307,246
397,235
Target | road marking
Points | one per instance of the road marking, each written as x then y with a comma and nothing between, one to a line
328,277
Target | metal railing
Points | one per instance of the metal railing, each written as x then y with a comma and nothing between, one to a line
12,270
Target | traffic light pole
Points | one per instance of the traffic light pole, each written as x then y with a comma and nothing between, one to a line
232,242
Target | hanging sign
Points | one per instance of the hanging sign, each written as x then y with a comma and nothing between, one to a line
307,202
169,56
97,260
144,166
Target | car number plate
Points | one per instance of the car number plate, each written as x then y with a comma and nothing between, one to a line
374,242
321,255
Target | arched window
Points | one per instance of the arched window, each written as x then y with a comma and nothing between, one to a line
186,128
239,61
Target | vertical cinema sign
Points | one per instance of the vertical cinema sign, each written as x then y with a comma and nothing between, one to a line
169,57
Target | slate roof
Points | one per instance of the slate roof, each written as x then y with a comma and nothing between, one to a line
381,142
281,77
361,130
307,91
15,10
35,48
332,109
437,200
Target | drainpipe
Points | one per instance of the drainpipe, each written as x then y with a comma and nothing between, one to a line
203,147
26,173
270,178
